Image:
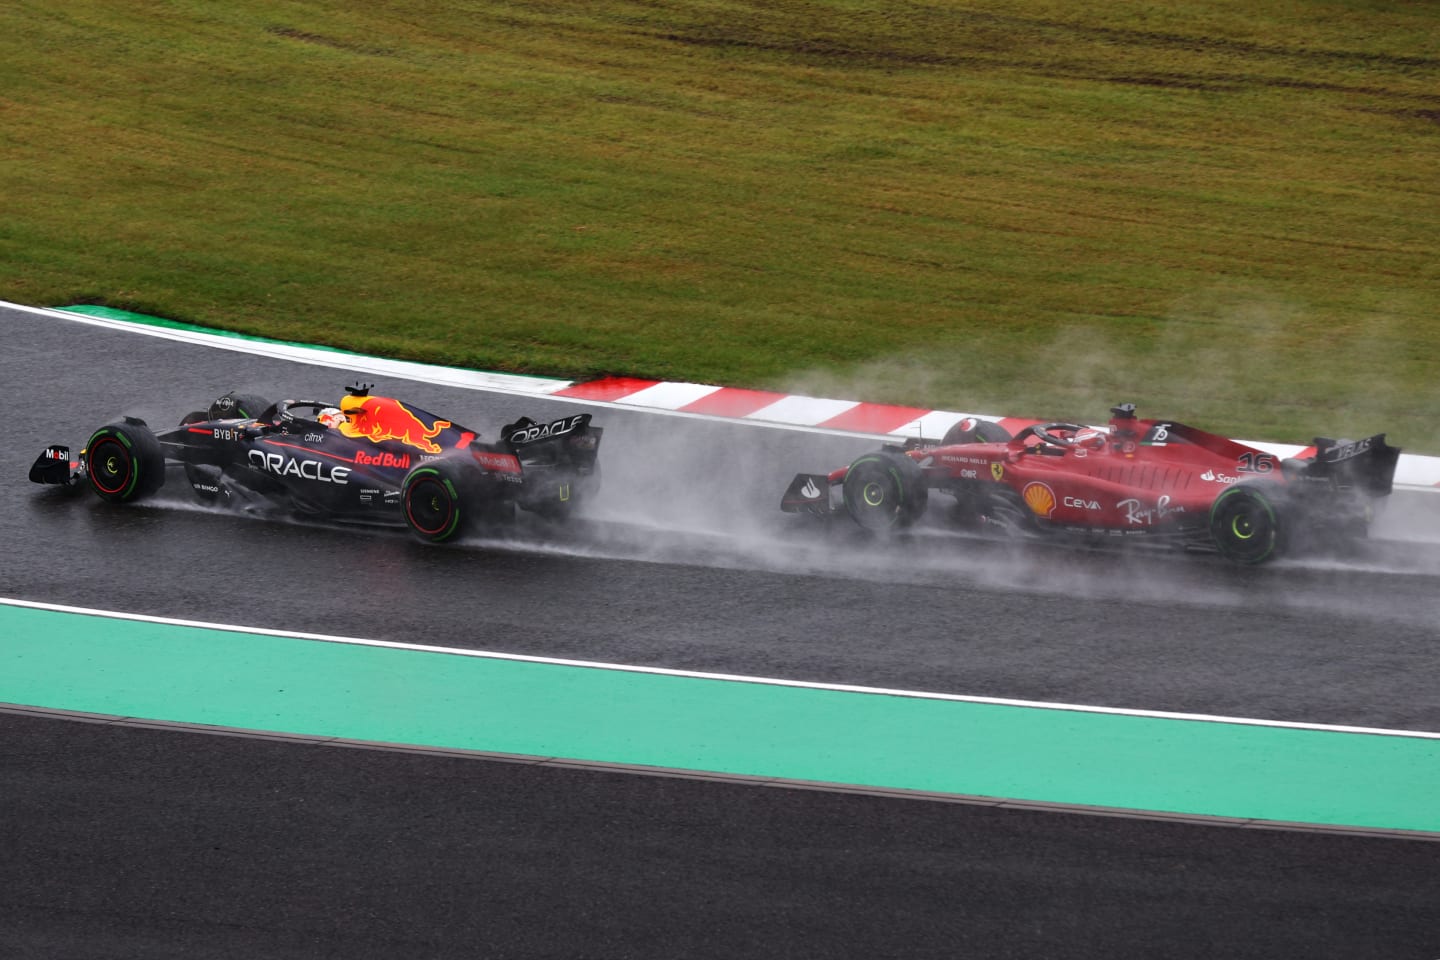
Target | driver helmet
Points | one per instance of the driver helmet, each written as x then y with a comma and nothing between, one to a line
331,417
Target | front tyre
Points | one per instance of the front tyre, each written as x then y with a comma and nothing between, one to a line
238,406
1247,524
438,498
975,430
123,462
885,491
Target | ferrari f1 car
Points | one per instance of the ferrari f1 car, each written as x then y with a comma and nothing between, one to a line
368,458
1154,479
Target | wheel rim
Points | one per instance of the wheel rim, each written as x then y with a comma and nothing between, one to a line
875,495
429,507
1245,527
110,469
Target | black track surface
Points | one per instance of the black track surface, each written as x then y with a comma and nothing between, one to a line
146,843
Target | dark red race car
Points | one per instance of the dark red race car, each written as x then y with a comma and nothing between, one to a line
1153,479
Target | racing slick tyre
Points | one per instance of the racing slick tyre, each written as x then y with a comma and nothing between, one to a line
439,498
975,430
885,491
1247,523
123,462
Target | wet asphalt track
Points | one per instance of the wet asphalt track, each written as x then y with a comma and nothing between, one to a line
146,843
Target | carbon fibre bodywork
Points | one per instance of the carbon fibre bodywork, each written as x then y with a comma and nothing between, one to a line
360,466
1136,478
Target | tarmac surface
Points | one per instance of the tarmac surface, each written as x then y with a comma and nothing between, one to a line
132,842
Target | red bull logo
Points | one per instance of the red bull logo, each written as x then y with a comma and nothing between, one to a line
380,418
401,462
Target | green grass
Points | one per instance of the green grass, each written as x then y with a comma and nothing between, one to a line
1227,212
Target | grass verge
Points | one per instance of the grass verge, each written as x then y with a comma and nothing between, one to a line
1226,214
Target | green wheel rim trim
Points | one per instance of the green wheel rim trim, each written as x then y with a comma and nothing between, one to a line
110,461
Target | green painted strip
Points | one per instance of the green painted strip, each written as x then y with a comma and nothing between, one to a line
126,316
185,673
110,313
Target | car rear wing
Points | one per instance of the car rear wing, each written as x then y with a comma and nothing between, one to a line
570,439
1366,465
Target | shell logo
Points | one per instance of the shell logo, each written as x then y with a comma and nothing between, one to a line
1039,498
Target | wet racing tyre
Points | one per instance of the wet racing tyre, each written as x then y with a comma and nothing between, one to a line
1247,523
885,491
440,500
123,462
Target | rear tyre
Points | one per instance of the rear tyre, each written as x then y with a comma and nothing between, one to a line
1247,524
885,491
439,500
123,462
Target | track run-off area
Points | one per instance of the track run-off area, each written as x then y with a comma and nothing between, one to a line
129,668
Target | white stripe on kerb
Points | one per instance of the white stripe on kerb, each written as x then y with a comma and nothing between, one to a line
805,410
667,395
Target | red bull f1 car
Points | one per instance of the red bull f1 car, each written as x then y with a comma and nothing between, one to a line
367,458
1135,478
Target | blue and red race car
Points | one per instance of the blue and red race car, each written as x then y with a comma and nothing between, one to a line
367,458
1153,479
